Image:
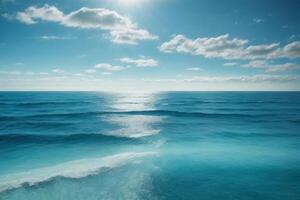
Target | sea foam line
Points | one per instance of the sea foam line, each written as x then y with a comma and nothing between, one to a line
73,169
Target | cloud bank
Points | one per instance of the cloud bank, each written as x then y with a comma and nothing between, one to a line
230,48
120,28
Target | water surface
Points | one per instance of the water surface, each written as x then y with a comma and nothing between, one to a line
170,145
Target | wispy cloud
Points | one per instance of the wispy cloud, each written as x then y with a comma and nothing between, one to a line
58,71
29,73
109,67
194,69
257,20
140,62
10,73
230,64
120,28
53,37
90,71
220,79
106,73
272,67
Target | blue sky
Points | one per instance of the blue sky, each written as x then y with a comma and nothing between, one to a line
120,45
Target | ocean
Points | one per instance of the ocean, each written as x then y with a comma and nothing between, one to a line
164,145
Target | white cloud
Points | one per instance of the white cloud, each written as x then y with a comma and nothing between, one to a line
265,51
230,64
220,79
254,78
58,71
194,69
130,36
292,50
53,37
257,20
141,62
46,13
256,64
28,73
43,73
97,18
120,28
221,46
24,18
90,71
283,67
229,48
109,67
10,73
106,73
272,67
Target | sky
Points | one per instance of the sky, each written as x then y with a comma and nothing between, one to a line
149,45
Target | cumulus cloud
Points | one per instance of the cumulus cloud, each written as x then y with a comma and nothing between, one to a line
141,62
109,67
46,13
130,36
221,46
272,67
229,48
292,50
120,28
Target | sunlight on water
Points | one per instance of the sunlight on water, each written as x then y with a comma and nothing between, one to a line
134,126
133,101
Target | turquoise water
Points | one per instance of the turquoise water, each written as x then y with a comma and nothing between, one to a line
171,145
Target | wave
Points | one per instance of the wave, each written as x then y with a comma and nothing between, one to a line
141,112
45,139
46,103
73,170
296,121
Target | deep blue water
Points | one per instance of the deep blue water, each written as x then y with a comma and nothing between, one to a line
171,145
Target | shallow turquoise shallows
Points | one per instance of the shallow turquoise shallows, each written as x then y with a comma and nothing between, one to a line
169,145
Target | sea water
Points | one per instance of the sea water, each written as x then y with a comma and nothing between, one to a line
165,145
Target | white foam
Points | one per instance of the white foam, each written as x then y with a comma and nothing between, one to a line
73,169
